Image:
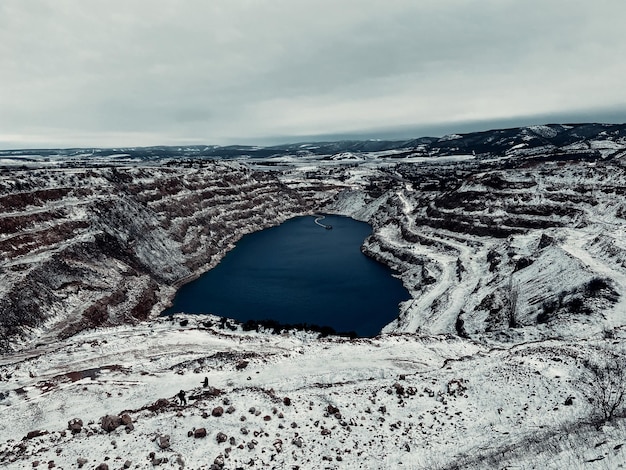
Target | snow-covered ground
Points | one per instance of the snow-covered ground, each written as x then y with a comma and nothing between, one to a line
517,273
290,399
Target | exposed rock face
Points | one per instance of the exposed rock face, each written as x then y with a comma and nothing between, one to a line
493,247
502,231
85,247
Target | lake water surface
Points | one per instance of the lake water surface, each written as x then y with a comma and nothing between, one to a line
299,272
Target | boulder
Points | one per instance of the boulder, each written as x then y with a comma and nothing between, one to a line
278,445
163,441
160,404
199,433
32,434
75,425
110,422
217,411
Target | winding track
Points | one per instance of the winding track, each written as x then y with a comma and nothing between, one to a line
317,221
454,291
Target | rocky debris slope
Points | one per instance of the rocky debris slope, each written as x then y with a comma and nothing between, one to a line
254,399
85,247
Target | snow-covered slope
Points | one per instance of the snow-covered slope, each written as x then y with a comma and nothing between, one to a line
501,254
291,400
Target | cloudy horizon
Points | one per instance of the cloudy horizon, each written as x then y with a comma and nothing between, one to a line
137,72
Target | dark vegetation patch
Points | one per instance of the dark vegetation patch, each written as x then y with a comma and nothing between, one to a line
578,301
276,328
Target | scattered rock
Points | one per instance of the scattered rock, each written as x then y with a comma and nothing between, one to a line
75,425
456,387
278,445
163,441
126,419
221,437
110,422
230,410
217,411
267,418
241,365
33,434
287,401
399,389
199,433
569,401
297,441
127,464
102,466
331,410
160,404
219,461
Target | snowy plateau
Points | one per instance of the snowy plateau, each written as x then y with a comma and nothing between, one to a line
509,354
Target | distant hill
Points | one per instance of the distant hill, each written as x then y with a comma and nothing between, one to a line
592,139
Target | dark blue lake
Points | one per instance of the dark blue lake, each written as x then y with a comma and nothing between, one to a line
299,272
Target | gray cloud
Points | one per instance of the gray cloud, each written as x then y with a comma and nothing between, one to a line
142,72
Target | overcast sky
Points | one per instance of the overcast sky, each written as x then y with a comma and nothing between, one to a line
149,72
